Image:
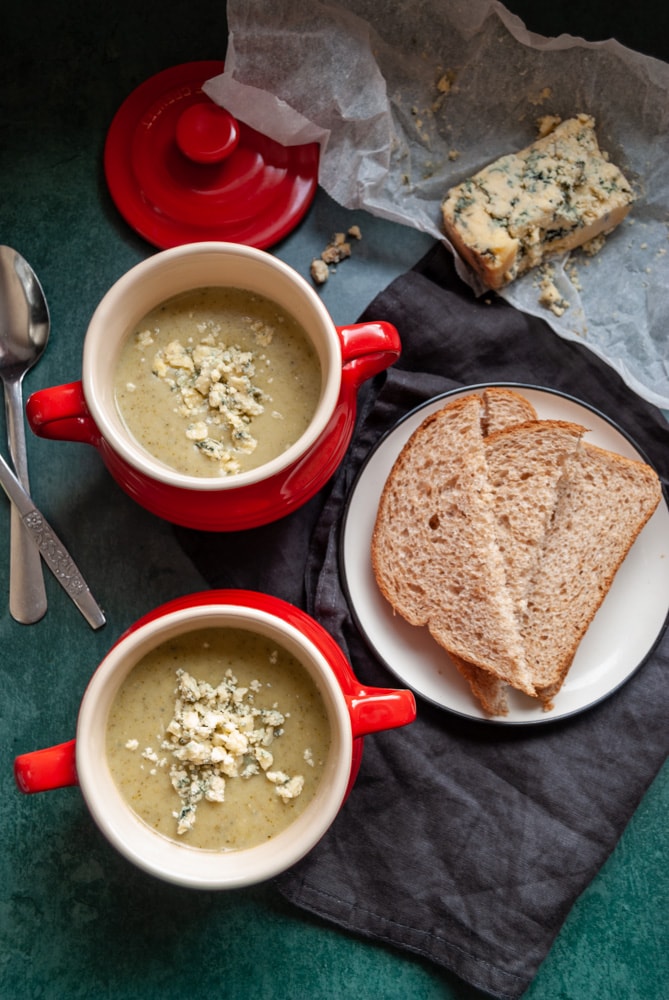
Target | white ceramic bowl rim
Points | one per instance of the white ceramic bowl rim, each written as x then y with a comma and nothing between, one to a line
151,851
181,269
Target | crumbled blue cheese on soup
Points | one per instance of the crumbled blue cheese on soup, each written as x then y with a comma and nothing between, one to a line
286,787
557,194
216,734
215,391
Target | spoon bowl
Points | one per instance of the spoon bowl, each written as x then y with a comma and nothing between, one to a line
24,331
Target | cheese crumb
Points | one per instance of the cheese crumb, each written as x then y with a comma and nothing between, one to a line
320,272
550,296
219,733
214,384
338,249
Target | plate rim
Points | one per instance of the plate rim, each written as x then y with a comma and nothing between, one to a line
497,722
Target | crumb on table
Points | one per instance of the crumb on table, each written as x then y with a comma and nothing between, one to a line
338,249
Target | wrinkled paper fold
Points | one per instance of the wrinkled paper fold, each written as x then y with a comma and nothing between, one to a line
407,101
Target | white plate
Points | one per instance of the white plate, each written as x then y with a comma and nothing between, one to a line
621,636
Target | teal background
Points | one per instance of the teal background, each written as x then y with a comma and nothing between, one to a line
76,921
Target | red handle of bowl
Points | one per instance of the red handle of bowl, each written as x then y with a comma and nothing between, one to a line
42,770
368,348
375,709
60,413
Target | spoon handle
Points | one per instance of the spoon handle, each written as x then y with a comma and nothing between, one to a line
55,555
27,593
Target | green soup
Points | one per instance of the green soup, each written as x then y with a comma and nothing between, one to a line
217,381
218,739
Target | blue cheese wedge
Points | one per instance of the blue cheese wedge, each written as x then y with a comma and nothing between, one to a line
556,194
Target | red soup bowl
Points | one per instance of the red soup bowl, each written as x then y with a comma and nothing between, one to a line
353,711
86,410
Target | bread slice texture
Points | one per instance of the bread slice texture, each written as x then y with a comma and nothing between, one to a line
516,535
525,464
434,551
604,501
558,193
503,407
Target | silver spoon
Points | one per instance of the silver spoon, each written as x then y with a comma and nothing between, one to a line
52,550
24,331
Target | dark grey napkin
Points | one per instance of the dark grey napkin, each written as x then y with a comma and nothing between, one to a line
463,842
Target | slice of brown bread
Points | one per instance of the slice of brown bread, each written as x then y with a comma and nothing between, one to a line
525,465
434,552
489,690
502,407
476,536
603,503
525,462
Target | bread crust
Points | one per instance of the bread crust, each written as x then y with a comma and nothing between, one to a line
471,534
435,519
525,462
504,407
596,482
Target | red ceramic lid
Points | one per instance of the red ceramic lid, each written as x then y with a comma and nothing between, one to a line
180,169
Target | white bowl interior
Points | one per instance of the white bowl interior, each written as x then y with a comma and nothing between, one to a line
151,851
178,270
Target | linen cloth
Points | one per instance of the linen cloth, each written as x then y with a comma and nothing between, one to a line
462,842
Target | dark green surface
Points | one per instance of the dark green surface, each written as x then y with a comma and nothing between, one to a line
75,919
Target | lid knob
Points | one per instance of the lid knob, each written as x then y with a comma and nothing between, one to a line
206,133
181,169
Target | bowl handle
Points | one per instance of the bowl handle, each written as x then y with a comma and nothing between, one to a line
42,770
375,709
367,349
60,413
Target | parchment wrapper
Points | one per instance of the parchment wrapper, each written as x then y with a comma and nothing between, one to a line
409,97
